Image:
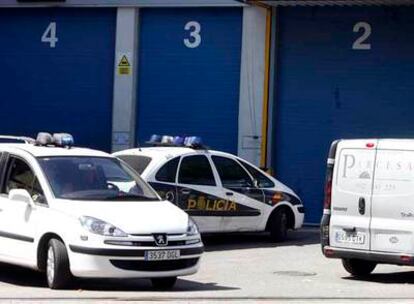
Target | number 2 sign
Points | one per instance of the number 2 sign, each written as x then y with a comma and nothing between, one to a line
361,43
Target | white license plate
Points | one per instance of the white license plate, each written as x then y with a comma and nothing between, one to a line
350,238
162,255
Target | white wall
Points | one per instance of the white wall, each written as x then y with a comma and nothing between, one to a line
252,83
124,101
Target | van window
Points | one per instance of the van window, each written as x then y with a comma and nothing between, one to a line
137,162
168,171
196,170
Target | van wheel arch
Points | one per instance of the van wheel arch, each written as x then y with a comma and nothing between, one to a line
42,249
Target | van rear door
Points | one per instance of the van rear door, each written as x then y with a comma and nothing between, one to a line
352,194
392,224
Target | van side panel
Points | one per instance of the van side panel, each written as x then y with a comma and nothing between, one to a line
352,194
392,224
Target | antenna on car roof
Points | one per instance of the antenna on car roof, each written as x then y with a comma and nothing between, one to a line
139,147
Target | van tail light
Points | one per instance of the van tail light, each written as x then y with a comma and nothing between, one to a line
326,217
328,186
325,221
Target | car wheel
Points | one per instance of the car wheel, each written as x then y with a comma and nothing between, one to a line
279,226
58,274
163,283
358,267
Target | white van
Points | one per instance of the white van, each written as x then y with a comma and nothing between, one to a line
369,204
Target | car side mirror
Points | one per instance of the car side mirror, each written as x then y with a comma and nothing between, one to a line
256,183
21,195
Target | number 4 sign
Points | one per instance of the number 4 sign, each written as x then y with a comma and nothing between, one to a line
49,36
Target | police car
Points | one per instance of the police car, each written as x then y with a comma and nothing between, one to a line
222,192
74,212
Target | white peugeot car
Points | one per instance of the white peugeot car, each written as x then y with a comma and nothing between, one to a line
223,192
80,212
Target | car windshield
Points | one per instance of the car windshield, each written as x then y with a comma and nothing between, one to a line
94,178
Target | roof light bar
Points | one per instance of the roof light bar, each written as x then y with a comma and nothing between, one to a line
58,139
194,142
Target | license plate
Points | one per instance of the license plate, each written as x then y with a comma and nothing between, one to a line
350,238
162,255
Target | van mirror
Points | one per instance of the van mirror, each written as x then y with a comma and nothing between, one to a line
20,195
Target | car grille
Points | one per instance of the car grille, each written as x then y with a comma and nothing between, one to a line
154,265
144,243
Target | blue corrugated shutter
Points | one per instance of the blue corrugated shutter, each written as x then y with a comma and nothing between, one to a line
328,90
67,88
190,91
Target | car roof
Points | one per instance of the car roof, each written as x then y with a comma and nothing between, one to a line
43,151
160,155
169,152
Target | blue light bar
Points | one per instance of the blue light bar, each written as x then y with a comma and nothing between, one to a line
178,141
154,139
63,139
167,140
194,142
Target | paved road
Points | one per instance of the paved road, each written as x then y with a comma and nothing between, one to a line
235,268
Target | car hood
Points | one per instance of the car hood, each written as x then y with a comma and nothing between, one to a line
144,217
283,188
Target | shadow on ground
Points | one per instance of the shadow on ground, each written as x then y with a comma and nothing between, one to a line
401,277
235,241
19,276
182,285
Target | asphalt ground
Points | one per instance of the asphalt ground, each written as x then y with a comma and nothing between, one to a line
244,268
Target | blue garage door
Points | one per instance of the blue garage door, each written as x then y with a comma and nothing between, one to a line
189,74
343,73
56,73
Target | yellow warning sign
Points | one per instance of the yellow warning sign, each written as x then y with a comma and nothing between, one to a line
124,67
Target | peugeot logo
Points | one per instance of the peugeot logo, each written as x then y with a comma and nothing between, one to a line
161,239
394,240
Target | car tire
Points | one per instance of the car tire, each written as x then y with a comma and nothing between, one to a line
358,268
58,274
163,283
279,226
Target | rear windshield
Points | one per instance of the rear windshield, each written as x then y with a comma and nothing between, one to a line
137,162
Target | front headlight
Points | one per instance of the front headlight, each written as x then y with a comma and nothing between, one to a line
192,228
100,227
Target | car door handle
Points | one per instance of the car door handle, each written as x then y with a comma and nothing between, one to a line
361,205
229,193
185,191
